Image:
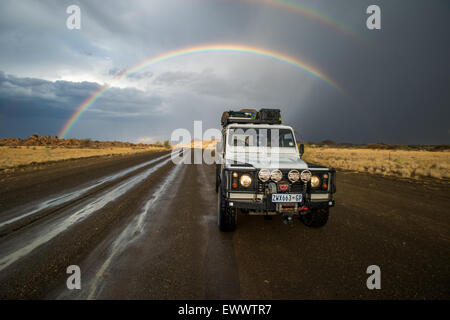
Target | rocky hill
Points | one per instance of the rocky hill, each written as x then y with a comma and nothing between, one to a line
36,140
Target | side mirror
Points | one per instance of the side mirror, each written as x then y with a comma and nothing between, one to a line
302,149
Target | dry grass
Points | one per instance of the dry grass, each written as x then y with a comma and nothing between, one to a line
11,157
407,164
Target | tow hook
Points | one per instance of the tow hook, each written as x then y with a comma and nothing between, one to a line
287,218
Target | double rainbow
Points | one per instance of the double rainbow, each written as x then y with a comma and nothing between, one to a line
194,50
300,9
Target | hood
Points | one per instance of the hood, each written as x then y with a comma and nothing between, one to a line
266,161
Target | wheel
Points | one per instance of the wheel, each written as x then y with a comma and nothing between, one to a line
227,217
316,218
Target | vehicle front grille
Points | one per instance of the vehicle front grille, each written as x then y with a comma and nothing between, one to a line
297,187
260,186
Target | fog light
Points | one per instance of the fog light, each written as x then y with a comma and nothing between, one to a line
264,175
276,175
305,176
293,175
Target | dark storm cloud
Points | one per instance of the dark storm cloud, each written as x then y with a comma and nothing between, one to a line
398,76
37,91
400,81
24,100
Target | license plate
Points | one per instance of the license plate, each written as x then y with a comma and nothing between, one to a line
287,197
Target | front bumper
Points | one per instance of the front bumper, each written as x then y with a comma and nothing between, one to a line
259,203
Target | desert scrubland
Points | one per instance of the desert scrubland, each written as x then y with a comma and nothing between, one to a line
21,156
15,152
401,163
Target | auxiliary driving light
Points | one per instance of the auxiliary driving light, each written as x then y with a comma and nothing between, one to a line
293,175
276,175
315,181
245,180
264,175
305,176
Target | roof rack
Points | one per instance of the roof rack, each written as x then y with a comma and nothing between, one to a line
263,116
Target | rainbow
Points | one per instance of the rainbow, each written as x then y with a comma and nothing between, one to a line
193,50
297,8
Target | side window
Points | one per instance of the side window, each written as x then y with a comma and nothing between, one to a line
286,139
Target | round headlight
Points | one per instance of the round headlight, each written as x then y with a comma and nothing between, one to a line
293,175
276,175
245,180
315,181
264,175
305,175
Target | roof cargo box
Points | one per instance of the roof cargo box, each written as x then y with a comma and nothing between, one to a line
242,116
272,116
264,116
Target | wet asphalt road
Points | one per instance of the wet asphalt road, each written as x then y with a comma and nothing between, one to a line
141,227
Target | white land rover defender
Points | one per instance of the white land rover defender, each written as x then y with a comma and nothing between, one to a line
261,172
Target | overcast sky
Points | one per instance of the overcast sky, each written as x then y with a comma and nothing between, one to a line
397,78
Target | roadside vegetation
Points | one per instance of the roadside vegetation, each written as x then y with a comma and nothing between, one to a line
15,152
379,146
414,162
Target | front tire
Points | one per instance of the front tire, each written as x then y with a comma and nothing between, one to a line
227,217
316,218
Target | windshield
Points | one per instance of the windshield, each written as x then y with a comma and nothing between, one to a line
259,137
